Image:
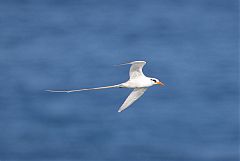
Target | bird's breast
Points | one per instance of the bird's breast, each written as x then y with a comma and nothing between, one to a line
137,83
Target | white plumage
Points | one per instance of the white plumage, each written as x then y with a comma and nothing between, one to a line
137,80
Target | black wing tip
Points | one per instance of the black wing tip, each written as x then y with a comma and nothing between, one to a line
133,62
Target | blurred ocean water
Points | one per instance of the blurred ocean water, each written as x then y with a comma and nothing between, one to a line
191,46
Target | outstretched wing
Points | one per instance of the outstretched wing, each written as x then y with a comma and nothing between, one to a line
136,94
135,69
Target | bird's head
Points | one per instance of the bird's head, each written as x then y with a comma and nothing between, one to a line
156,82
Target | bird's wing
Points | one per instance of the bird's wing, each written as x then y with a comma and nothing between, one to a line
136,94
85,89
135,69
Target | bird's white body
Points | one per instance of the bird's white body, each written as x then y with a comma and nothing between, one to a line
138,81
141,82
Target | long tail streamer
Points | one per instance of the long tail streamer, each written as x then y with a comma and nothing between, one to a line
85,89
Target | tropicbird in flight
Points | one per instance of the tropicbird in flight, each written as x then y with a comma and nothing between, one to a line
138,81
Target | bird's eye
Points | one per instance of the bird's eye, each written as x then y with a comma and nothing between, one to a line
154,80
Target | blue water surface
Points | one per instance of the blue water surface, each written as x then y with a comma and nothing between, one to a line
190,45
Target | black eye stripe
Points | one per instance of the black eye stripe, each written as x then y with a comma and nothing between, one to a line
154,80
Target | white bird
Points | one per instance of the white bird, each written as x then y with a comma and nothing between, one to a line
138,81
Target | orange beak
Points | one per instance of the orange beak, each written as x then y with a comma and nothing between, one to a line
160,83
